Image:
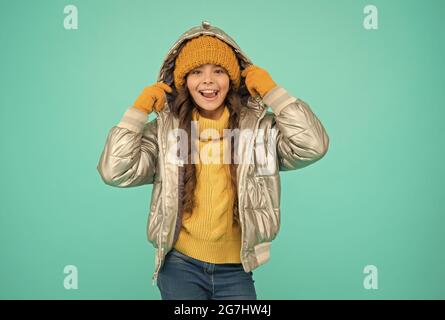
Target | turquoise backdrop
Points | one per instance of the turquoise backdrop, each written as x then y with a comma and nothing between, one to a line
376,198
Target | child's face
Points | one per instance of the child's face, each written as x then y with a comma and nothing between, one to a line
208,76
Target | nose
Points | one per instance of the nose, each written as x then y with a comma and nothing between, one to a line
208,77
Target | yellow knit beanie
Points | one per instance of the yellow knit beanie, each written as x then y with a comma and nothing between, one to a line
206,49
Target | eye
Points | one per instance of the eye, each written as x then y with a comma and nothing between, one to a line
219,71
195,71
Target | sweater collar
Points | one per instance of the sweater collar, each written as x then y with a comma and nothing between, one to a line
207,123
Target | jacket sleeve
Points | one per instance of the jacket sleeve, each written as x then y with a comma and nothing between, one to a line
301,137
130,154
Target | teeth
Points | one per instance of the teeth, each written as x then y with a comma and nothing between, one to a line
208,91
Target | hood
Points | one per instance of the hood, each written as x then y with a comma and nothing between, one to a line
166,72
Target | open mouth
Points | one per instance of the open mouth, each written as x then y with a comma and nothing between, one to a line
209,95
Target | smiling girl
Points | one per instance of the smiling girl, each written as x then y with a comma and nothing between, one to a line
213,222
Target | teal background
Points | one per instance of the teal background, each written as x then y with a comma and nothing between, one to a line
377,197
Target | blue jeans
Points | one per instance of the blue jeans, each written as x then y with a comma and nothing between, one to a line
185,278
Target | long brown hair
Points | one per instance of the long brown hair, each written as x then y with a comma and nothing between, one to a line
182,107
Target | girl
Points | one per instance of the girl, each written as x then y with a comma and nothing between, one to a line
215,205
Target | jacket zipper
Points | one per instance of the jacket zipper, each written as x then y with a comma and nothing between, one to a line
243,174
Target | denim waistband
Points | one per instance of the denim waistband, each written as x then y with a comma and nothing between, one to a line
177,253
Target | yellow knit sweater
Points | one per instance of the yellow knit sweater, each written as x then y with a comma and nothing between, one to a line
209,233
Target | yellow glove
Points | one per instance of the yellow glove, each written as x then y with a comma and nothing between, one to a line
258,80
152,96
